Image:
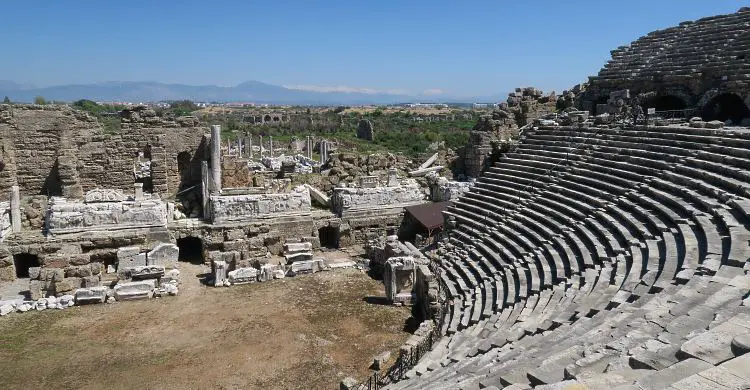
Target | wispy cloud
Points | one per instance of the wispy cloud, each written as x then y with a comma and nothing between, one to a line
344,89
432,92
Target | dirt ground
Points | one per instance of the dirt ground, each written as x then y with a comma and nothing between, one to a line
307,332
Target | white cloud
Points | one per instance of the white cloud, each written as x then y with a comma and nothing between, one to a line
343,89
432,92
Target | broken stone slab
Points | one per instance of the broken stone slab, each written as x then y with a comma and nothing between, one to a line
267,272
91,295
66,300
170,289
130,256
6,309
299,256
423,172
342,264
142,289
319,196
429,162
741,343
147,272
243,275
164,254
294,247
171,277
306,267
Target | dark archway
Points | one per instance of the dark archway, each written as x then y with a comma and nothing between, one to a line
664,103
267,118
726,107
597,102
24,261
191,250
329,237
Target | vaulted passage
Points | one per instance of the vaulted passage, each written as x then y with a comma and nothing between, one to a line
24,261
725,107
191,250
329,237
665,103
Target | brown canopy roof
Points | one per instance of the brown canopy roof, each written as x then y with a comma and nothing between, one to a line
429,215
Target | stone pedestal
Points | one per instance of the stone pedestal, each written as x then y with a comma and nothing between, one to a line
138,191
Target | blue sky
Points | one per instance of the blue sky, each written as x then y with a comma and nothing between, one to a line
456,48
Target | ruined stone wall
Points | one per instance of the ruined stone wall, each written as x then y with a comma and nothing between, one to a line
227,208
346,200
59,151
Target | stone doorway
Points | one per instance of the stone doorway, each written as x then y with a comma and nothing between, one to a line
191,250
329,237
24,261
665,103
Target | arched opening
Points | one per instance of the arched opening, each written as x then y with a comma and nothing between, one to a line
664,103
267,118
329,237
726,107
191,250
24,261
184,168
276,119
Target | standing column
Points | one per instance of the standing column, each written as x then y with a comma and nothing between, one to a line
250,146
260,137
270,144
15,209
310,146
216,158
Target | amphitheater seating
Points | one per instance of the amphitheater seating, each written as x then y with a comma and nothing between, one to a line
600,257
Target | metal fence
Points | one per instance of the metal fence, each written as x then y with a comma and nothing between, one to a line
407,361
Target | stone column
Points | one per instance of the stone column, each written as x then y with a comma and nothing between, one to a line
15,209
250,146
270,144
216,158
310,146
138,191
260,142
229,147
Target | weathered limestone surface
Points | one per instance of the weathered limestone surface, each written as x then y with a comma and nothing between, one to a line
229,208
442,189
164,254
96,294
5,225
243,275
398,278
346,200
56,150
67,216
142,289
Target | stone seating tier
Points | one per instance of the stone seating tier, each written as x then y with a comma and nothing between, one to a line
601,257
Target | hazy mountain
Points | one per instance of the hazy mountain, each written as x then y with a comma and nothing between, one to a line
251,91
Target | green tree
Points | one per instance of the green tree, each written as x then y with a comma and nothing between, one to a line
6,100
182,107
40,100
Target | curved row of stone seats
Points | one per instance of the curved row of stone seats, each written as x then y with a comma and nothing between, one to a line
716,43
613,269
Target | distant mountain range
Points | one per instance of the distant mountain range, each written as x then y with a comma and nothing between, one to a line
251,91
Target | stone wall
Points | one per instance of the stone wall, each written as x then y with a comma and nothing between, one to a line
346,200
56,150
229,208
